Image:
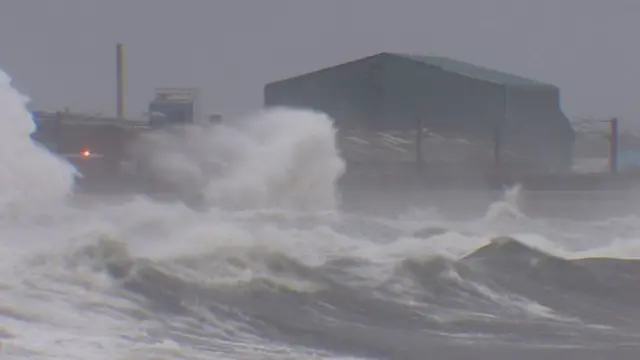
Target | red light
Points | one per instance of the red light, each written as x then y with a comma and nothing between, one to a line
85,153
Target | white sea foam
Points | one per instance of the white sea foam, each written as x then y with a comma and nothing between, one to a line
260,176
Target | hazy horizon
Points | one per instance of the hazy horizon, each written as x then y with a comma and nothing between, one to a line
62,52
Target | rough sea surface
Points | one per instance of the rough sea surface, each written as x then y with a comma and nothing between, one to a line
270,266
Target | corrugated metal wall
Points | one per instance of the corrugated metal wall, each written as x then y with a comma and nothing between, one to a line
378,102
447,103
536,130
342,92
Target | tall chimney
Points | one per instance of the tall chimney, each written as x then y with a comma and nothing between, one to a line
120,80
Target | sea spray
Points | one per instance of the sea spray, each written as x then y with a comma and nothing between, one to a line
278,158
31,177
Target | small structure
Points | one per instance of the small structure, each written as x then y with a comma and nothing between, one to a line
435,112
177,106
94,144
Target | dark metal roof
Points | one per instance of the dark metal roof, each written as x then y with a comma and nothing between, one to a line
472,71
448,65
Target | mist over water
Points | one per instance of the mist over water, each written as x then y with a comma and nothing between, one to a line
272,267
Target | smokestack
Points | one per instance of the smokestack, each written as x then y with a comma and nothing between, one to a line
120,80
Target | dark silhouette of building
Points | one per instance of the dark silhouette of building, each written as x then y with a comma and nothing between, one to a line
505,121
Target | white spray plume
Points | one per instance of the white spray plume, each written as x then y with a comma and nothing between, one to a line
278,158
31,177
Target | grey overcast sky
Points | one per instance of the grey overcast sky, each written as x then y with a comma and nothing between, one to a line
62,52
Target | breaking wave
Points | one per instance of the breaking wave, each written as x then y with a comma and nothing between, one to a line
272,268
30,177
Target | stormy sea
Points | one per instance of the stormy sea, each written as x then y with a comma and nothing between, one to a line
271,265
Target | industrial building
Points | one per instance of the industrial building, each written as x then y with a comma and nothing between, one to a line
435,112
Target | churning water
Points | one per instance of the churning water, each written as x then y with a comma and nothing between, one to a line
273,269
